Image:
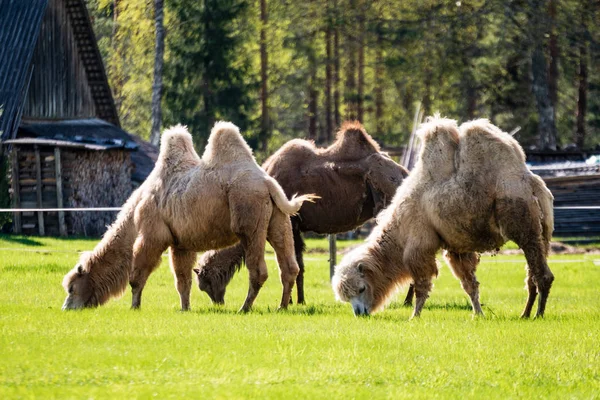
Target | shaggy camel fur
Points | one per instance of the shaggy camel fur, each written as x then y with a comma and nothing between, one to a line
190,204
469,192
352,170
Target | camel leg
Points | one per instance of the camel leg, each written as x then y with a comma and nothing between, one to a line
422,266
182,262
464,265
146,258
522,225
299,248
280,237
408,301
531,295
257,269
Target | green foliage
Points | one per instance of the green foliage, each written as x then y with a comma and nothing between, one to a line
315,351
205,77
466,59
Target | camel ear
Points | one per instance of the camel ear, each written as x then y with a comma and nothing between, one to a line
197,271
79,269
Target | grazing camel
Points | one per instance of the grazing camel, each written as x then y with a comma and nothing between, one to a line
353,179
190,204
469,192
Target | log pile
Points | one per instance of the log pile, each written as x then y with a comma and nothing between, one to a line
86,178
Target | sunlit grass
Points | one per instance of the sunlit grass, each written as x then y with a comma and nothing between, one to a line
319,350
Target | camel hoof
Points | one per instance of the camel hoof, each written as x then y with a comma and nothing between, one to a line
407,304
244,310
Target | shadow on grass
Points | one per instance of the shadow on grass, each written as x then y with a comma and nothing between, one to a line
292,310
28,241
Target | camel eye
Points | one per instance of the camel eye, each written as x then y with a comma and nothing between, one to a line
361,290
71,290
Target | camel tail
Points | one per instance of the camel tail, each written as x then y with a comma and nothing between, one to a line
288,207
546,201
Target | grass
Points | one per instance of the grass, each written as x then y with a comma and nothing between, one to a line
315,351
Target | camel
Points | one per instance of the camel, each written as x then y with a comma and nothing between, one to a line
353,179
470,192
190,204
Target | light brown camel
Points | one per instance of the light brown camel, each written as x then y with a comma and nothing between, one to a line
469,192
190,204
353,179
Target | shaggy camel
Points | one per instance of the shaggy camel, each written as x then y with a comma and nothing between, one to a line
469,192
352,169
191,204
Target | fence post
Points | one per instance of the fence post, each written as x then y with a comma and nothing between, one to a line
59,192
38,186
332,254
16,187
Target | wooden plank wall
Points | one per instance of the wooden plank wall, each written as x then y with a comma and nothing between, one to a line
576,191
59,85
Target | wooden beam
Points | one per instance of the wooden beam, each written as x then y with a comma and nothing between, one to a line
14,182
62,227
38,174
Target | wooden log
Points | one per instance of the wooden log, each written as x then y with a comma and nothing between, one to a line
62,227
16,190
40,214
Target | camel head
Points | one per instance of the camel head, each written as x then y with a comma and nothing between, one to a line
80,290
211,282
353,283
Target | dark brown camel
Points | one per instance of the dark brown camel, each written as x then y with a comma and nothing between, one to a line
352,172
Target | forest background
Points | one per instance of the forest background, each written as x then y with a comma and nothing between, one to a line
286,69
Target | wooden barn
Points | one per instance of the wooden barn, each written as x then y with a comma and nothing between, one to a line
58,121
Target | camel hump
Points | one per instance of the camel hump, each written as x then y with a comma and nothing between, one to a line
436,127
440,138
353,142
226,145
481,135
176,145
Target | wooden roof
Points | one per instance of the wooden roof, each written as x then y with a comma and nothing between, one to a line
51,68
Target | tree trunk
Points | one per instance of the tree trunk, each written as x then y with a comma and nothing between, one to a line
157,85
350,95
206,90
553,51
541,92
360,106
264,76
336,70
582,77
328,77
312,83
379,79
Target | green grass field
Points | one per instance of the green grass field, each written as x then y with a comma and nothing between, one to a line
319,350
